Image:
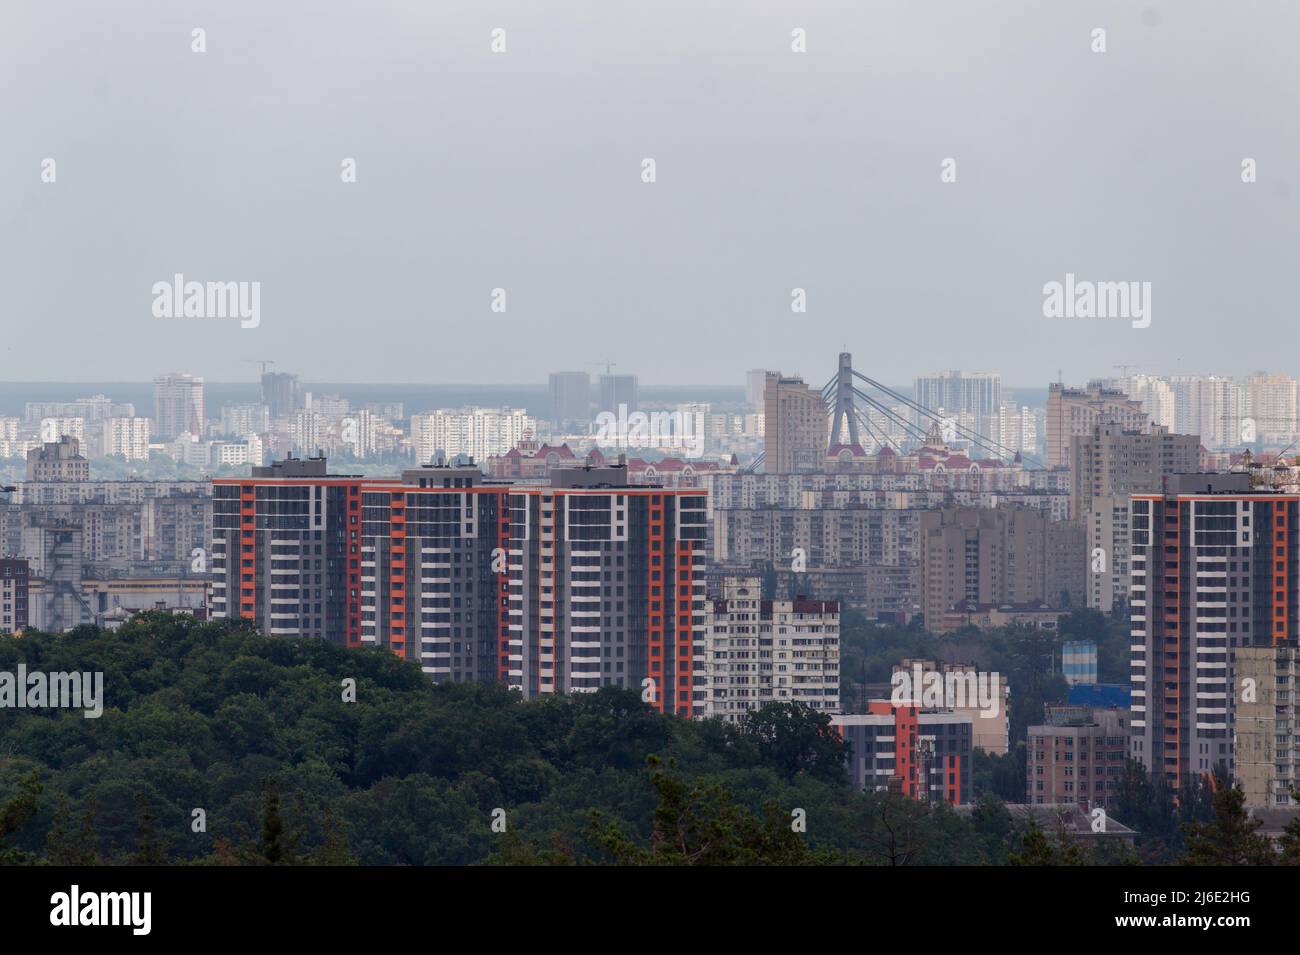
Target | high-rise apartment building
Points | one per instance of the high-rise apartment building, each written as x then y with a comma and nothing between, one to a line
760,651
795,426
997,556
607,586
280,393
53,429
1214,565
1270,409
241,420
973,398
13,595
615,391
434,571
1108,464
1211,406
480,433
1076,411
178,406
127,437
286,550
1017,429
571,401
567,587
1108,460
1155,394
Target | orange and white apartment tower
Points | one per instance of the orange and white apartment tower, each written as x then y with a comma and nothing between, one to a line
1213,567
557,587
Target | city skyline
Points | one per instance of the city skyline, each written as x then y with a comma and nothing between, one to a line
738,434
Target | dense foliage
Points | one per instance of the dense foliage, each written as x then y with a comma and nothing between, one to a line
255,732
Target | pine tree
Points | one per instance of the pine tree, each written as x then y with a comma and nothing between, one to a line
14,815
148,849
272,829
1231,838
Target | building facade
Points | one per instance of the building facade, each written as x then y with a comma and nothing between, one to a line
760,651
14,579
1214,568
1077,756
1267,726
995,556
1076,411
178,406
795,426
921,754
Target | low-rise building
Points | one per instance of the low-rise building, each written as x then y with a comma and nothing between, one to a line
1077,756
920,753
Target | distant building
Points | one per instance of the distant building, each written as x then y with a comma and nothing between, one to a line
760,651
1211,406
126,437
1004,556
480,433
972,399
280,393
1107,465
109,601
991,723
95,408
14,577
922,754
59,460
1108,460
1066,820
1076,411
571,401
240,420
54,548
795,426
616,391
178,406
989,616
1077,756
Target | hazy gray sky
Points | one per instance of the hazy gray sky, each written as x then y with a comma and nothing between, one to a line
522,170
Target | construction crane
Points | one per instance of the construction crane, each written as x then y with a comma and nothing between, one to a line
609,365
263,362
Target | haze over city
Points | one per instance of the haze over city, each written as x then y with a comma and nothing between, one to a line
522,171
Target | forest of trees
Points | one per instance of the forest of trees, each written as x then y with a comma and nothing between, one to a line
251,736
